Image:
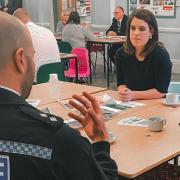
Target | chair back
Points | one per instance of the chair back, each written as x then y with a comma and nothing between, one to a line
64,47
83,63
45,70
174,87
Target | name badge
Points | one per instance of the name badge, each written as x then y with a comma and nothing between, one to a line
4,168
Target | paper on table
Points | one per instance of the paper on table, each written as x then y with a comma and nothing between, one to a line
73,123
133,121
131,103
66,104
110,104
33,102
117,106
112,138
108,114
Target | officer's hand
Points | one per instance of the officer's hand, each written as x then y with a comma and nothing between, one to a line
92,118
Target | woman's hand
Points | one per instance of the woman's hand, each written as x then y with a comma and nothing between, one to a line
125,94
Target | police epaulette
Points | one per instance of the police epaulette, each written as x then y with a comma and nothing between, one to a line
35,114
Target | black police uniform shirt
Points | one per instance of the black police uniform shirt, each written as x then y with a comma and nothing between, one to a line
39,146
153,72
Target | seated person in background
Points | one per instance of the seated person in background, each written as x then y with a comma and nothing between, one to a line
13,5
38,146
117,28
44,42
143,65
2,5
74,33
62,23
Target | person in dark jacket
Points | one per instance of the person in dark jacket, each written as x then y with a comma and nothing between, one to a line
40,146
117,28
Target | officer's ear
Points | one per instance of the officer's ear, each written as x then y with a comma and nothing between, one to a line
20,60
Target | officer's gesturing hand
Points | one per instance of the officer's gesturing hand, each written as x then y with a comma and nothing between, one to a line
92,118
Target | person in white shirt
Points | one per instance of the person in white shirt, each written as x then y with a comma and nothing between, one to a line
44,42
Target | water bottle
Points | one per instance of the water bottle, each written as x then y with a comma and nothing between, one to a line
54,88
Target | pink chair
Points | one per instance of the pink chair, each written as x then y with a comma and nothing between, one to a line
83,64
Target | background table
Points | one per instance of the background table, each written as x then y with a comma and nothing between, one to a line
104,41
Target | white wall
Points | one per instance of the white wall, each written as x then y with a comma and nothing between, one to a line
40,11
170,34
100,14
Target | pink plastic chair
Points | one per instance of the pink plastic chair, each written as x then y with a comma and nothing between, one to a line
83,64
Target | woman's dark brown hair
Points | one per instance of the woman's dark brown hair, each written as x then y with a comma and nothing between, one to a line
150,19
74,18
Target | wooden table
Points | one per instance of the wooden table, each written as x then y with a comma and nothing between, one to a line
138,150
104,41
58,109
41,91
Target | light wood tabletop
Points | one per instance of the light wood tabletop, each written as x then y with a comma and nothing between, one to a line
110,40
137,149
58,109
41,91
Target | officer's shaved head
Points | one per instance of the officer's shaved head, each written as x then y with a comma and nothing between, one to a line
12,36
16,55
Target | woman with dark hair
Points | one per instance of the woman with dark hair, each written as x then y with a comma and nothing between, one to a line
74,33
143,64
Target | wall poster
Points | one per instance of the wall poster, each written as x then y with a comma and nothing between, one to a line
64,5
160,8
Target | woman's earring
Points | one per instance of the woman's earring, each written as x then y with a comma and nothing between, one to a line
150,37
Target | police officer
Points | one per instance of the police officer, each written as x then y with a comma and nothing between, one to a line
36,145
